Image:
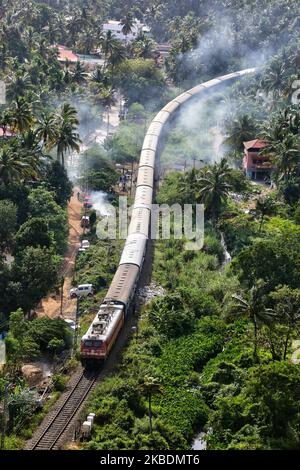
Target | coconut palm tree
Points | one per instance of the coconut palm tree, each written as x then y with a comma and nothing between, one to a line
105,96
21,115
213,187
252,306
143,46
98,76
238,130
107,44
274,80
150,386
5,120
66,137
116,56
79,75
264,206
188,185
14,167
46,129
18,85
287,309
127,24
285,156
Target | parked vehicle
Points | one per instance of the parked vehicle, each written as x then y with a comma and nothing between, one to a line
87,202
85,222
85,244
83,290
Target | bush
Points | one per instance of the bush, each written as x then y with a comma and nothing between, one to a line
59,382
169,315
297,214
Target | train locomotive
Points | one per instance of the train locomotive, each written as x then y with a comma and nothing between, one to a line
98,341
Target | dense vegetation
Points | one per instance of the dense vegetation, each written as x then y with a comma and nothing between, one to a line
214,352
213,349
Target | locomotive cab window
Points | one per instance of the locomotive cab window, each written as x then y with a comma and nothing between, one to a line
93,343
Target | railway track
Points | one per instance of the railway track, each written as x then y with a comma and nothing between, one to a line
53,430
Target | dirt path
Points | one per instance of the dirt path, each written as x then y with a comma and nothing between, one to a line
51,305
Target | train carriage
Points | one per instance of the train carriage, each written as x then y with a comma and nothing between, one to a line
97,343
140,221
143,197
147,158
145,176
150,142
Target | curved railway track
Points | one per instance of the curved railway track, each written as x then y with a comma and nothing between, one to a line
124,283
53,429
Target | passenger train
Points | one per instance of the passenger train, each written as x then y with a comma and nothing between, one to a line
98,341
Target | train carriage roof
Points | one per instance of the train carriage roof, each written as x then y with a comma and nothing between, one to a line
121,287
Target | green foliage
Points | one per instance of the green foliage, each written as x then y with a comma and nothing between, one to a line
239,232
57,181
140,81
125,144
42,204
274,260
33,233
8,222
59,382
169,315
239,182
291,190
35,271
100,173
28,339
297,214
264,414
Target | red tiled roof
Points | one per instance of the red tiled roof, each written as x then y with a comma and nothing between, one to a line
256,144
65,54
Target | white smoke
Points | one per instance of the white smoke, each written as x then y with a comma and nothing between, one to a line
100,203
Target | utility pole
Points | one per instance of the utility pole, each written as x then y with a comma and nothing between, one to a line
76,327
75,267
131,183
108,113
62,281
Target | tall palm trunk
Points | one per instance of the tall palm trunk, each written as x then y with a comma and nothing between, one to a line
286,343
261,223
150,412
255,354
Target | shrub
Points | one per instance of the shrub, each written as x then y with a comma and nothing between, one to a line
59,382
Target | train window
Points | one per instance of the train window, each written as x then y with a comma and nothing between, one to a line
93,343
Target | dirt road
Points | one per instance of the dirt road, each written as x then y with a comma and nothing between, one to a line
51,305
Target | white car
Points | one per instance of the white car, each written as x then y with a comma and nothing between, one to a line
85,244
83,290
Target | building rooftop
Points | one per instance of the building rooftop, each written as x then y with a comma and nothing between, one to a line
65,55
255,144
